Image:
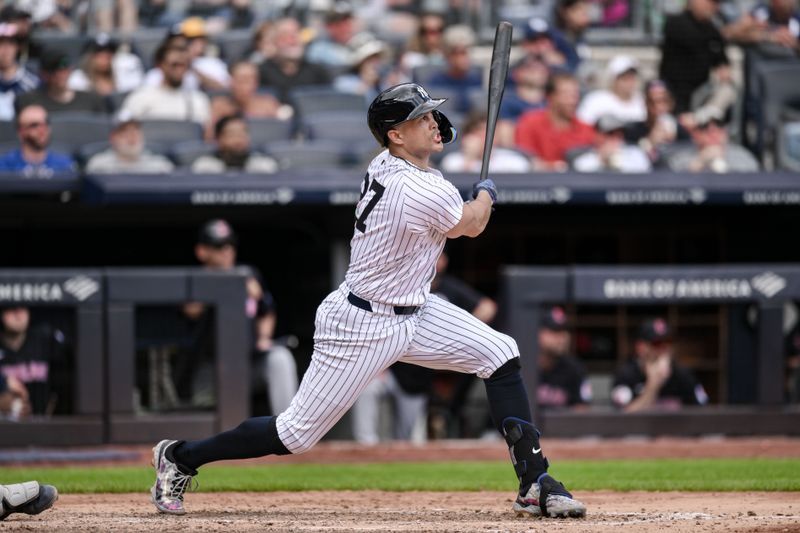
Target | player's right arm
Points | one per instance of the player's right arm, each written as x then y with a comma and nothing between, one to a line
474,217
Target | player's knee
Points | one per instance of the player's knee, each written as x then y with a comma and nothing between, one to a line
302,447
509,368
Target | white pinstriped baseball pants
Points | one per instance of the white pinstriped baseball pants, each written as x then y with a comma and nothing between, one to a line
352,346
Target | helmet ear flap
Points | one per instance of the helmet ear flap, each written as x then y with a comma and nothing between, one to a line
446,129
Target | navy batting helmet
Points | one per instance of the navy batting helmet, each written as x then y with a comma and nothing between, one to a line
406,101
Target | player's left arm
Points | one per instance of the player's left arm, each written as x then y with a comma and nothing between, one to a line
476,213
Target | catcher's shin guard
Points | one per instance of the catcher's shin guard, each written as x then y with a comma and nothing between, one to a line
526,453
29,498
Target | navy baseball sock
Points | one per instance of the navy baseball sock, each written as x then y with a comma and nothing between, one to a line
507,394
508,403
255,437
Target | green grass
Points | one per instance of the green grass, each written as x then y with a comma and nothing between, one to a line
655,475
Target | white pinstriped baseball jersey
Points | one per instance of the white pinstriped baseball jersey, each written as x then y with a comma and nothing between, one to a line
401,221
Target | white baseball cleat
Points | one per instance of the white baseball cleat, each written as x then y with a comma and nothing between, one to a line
167,492
548,497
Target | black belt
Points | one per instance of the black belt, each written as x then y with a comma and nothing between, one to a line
361,303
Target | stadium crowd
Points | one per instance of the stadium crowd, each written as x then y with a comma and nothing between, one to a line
226,85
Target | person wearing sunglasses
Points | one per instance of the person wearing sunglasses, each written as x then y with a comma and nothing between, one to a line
33,159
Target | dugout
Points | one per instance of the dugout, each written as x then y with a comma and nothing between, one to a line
526,290
128,289
73,298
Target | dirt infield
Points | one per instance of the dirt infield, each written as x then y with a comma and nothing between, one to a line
484,512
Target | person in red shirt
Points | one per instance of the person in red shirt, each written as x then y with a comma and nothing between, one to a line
551,132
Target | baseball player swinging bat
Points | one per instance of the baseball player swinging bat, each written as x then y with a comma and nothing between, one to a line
497,84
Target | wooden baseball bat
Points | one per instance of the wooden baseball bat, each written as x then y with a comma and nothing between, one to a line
497,84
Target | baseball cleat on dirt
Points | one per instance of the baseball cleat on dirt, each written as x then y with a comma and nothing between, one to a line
171,483
548,497
29,498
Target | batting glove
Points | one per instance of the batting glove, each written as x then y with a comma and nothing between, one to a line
485,185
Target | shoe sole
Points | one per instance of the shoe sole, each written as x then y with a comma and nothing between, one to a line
536,512
154,460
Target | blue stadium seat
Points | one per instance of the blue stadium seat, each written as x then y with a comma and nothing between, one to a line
342,126
310,100
234,44
308,154
171,131
266,130
77,129
8,131
187,152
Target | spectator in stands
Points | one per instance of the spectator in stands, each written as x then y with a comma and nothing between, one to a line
105,70
205,73
660,128
23,23
623,99
782,21
610,152
14,399
529,75
30,355
551,132
331,48
14,78
469,156
715,98
216,249
459,75
772,27
244,97
169,100
427,46
409,386
239,15
32,159
55,95
234,152
262,46
562,377
50,15
570,21
538,42
692,45
155,13
288,68
367,62
712,152
652,378
119,15
127,152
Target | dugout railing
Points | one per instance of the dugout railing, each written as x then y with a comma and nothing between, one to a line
105,351
527,290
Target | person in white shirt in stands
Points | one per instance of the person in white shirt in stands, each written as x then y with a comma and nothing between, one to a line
610,153
623,99
234,152
169,101
206,72
469,157
127,152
